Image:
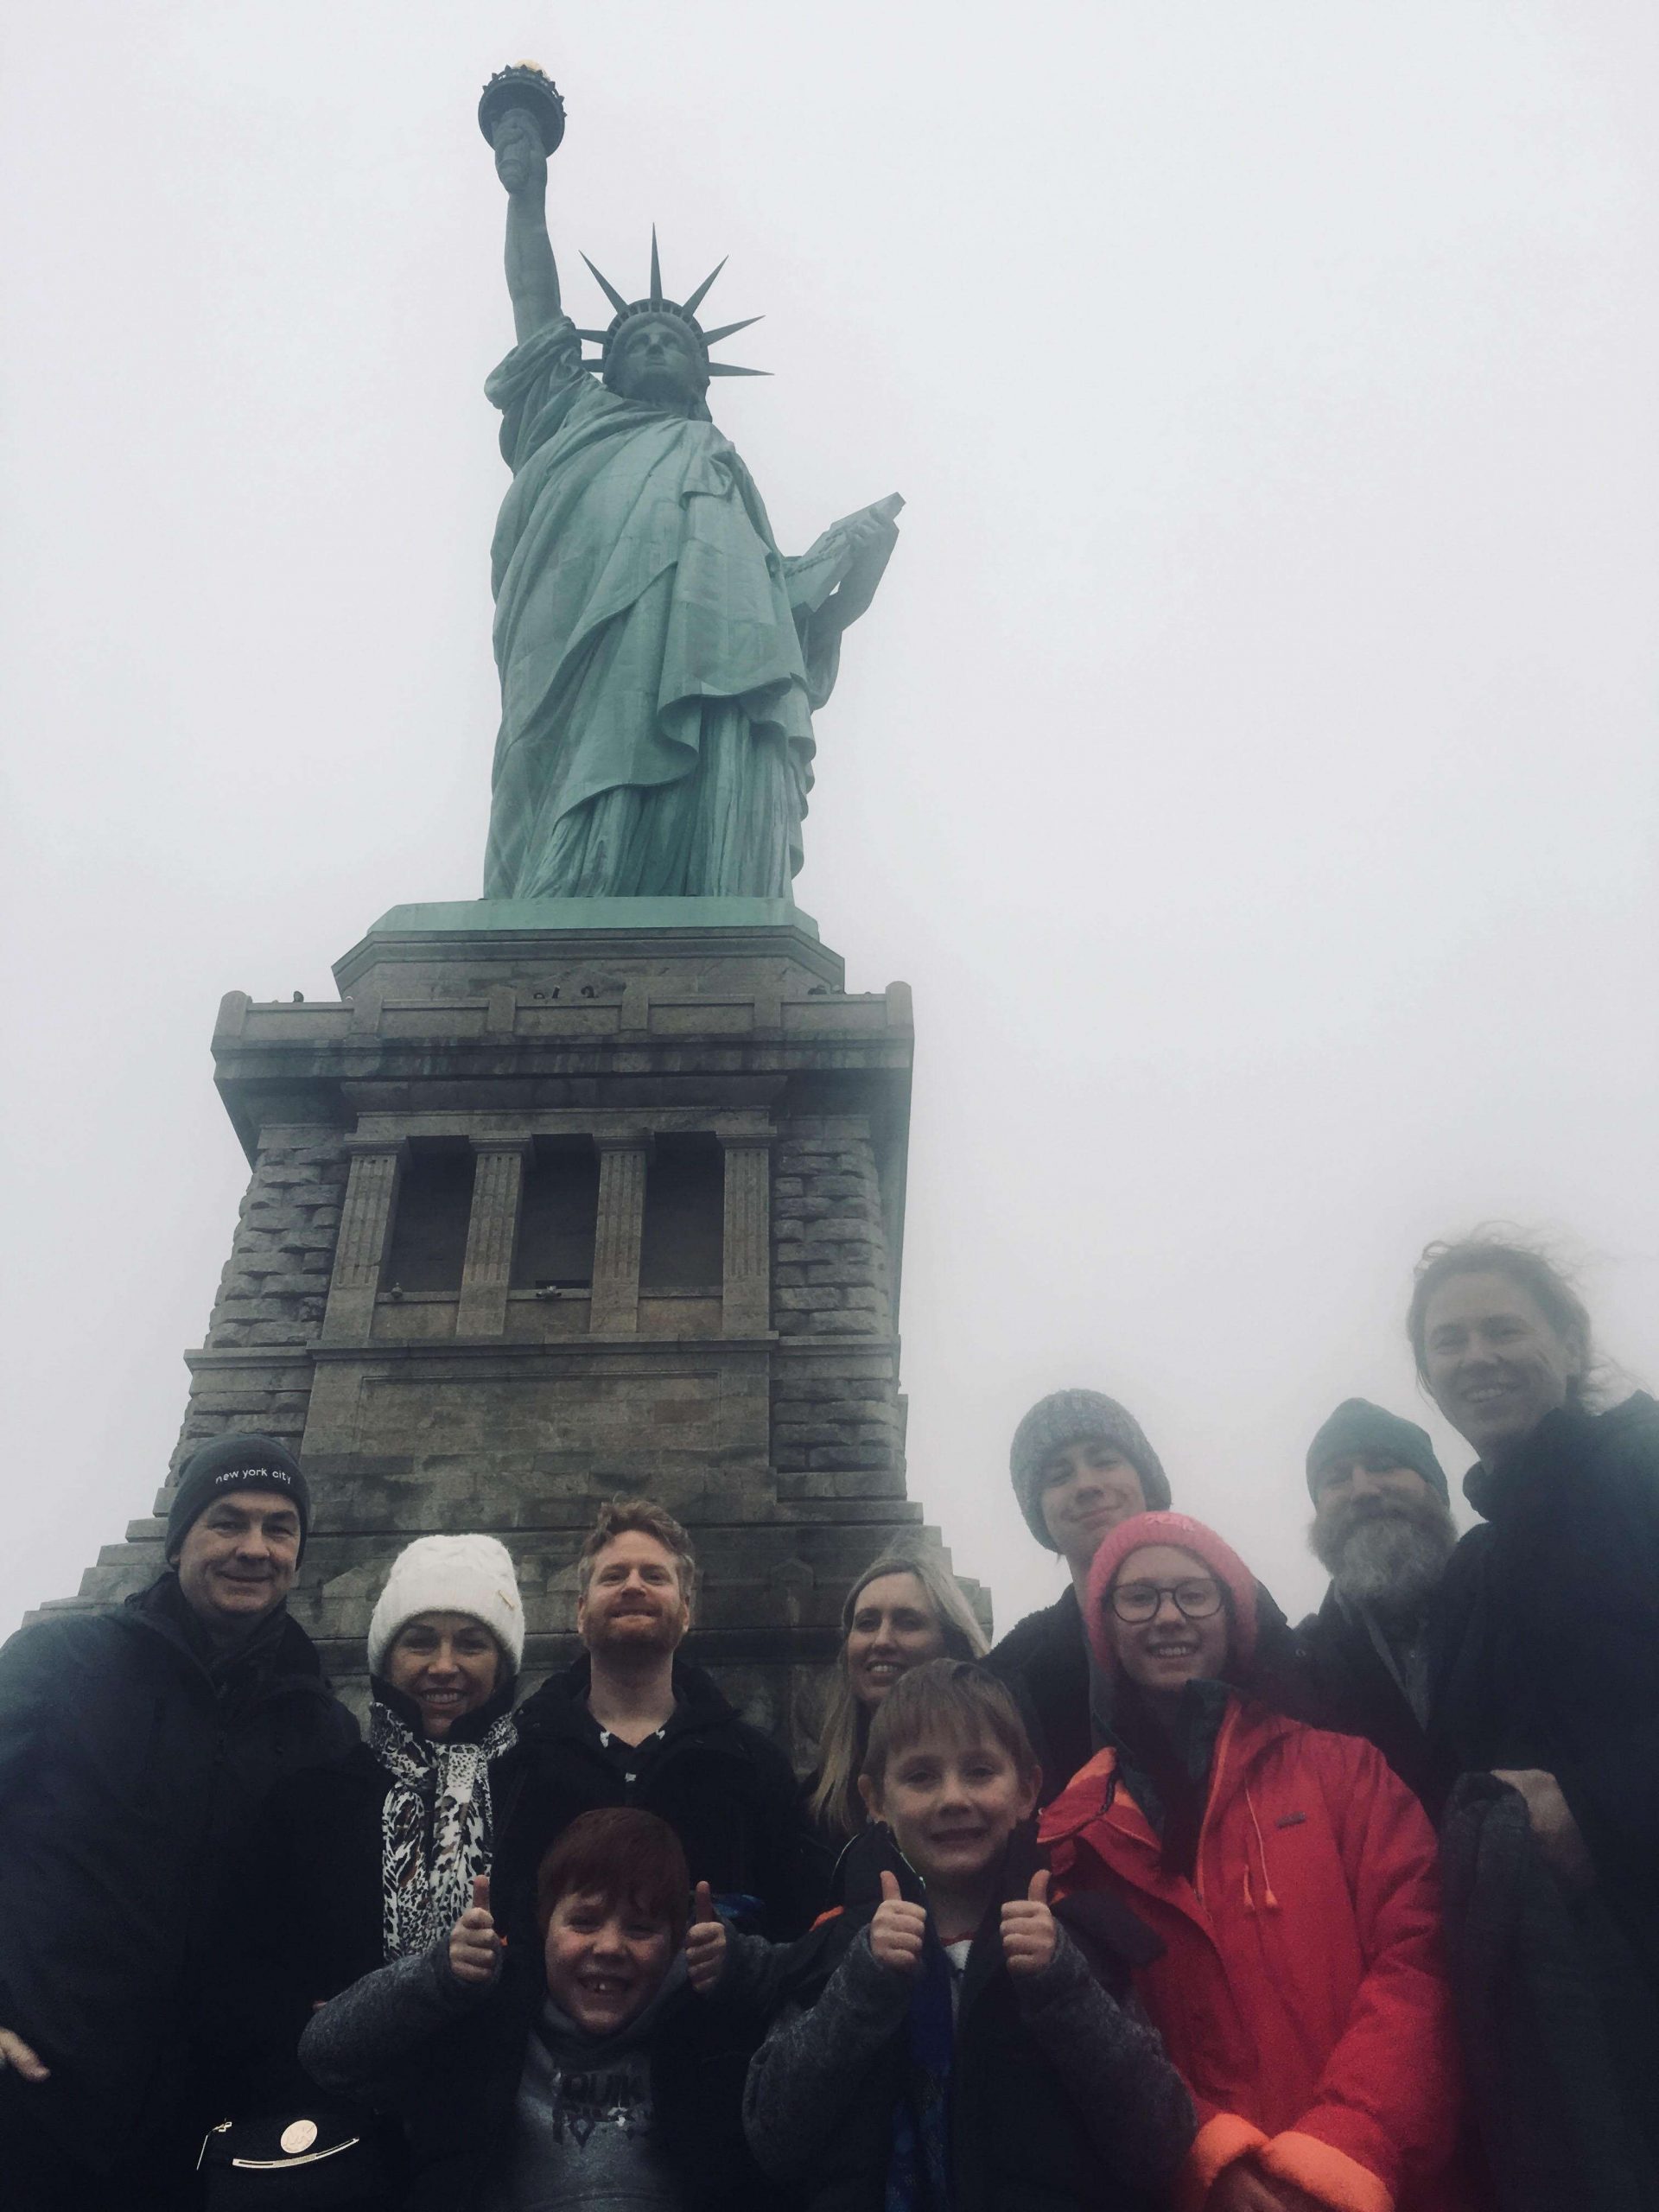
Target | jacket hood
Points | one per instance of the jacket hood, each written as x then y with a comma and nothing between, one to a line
1489,1489
1249,1731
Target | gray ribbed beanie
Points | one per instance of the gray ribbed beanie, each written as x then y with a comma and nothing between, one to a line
1358,1426
1079,1417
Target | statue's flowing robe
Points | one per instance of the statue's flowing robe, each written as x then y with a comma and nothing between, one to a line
659,658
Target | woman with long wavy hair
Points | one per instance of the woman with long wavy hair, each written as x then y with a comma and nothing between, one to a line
905,1608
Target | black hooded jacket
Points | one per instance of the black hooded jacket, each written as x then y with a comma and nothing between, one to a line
726,1789
134,1763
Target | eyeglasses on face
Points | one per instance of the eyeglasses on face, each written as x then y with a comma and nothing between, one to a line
1197,1600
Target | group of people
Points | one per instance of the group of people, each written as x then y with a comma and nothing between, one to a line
1159,1903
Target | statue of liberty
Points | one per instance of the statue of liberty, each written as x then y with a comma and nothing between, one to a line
660,659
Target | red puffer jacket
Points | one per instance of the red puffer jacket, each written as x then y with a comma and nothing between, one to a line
1301,1992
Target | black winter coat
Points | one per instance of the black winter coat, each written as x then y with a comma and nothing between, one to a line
726,1789
1044,1660
1545,1650
132,1776
1018,2141
1351,1691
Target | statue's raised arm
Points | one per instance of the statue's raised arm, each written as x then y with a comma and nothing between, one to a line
533,273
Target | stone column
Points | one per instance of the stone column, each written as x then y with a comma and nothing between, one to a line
364,1232
746,1291
618,1234
491,1235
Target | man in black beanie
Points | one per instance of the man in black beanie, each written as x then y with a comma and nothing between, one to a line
137,1748
1382,1527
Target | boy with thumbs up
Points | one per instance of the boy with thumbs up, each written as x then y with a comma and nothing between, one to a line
957,2044
604,2067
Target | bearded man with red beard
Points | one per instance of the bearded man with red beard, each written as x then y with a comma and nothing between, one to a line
632,1723
1382,1528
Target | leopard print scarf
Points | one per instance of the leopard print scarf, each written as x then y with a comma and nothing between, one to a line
437,1830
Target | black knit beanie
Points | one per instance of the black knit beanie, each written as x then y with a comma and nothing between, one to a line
249,1462
1358,1426
1079,1417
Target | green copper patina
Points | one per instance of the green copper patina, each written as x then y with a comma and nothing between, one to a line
660,659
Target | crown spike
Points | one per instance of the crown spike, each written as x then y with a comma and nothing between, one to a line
656,271
593,337
609,288
730,329
702,292
731,369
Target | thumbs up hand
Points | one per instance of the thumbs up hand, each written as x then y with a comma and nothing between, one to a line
474,1947
897,1931
705,1942
1030,1937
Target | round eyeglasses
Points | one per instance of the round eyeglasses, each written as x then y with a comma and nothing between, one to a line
1139,1601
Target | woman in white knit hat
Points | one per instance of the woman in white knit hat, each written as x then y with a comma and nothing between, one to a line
445,1644
373,1859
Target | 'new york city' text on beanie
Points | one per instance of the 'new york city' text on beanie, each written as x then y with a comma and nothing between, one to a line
1078,1417
246,1462
1358,1426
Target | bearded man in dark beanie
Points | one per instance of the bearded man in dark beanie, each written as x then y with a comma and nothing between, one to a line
1382,1528
137,1748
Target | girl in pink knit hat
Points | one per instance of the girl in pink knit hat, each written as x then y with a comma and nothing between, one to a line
1292,1879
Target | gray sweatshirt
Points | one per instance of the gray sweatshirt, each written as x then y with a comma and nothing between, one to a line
583,2140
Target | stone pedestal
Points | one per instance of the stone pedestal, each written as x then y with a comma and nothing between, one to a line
724,1336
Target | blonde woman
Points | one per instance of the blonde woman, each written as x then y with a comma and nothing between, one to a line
906,1607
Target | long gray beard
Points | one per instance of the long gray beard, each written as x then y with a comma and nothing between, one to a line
1389,1561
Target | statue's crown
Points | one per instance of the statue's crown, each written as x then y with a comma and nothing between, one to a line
657,302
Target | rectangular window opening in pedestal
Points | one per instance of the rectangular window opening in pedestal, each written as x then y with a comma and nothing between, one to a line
433,1207
683,1244
557,1217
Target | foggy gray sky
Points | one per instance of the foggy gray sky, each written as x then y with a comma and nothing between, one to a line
1249,760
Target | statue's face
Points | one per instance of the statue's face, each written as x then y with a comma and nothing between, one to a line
658,360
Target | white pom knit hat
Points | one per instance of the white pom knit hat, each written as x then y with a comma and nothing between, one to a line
450,1574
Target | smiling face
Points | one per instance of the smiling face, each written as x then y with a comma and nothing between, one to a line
237,1560
953,1805
1493,1364
895,1628
632,1602
655,359
449,1664
1168,1649
1086,1489
604,1959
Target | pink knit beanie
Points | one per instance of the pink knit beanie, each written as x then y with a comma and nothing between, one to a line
1189,1535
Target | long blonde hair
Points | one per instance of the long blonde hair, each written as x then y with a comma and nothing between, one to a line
835,1799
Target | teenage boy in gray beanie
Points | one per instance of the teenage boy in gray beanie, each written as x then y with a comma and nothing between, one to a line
1382,1527
1081,1464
